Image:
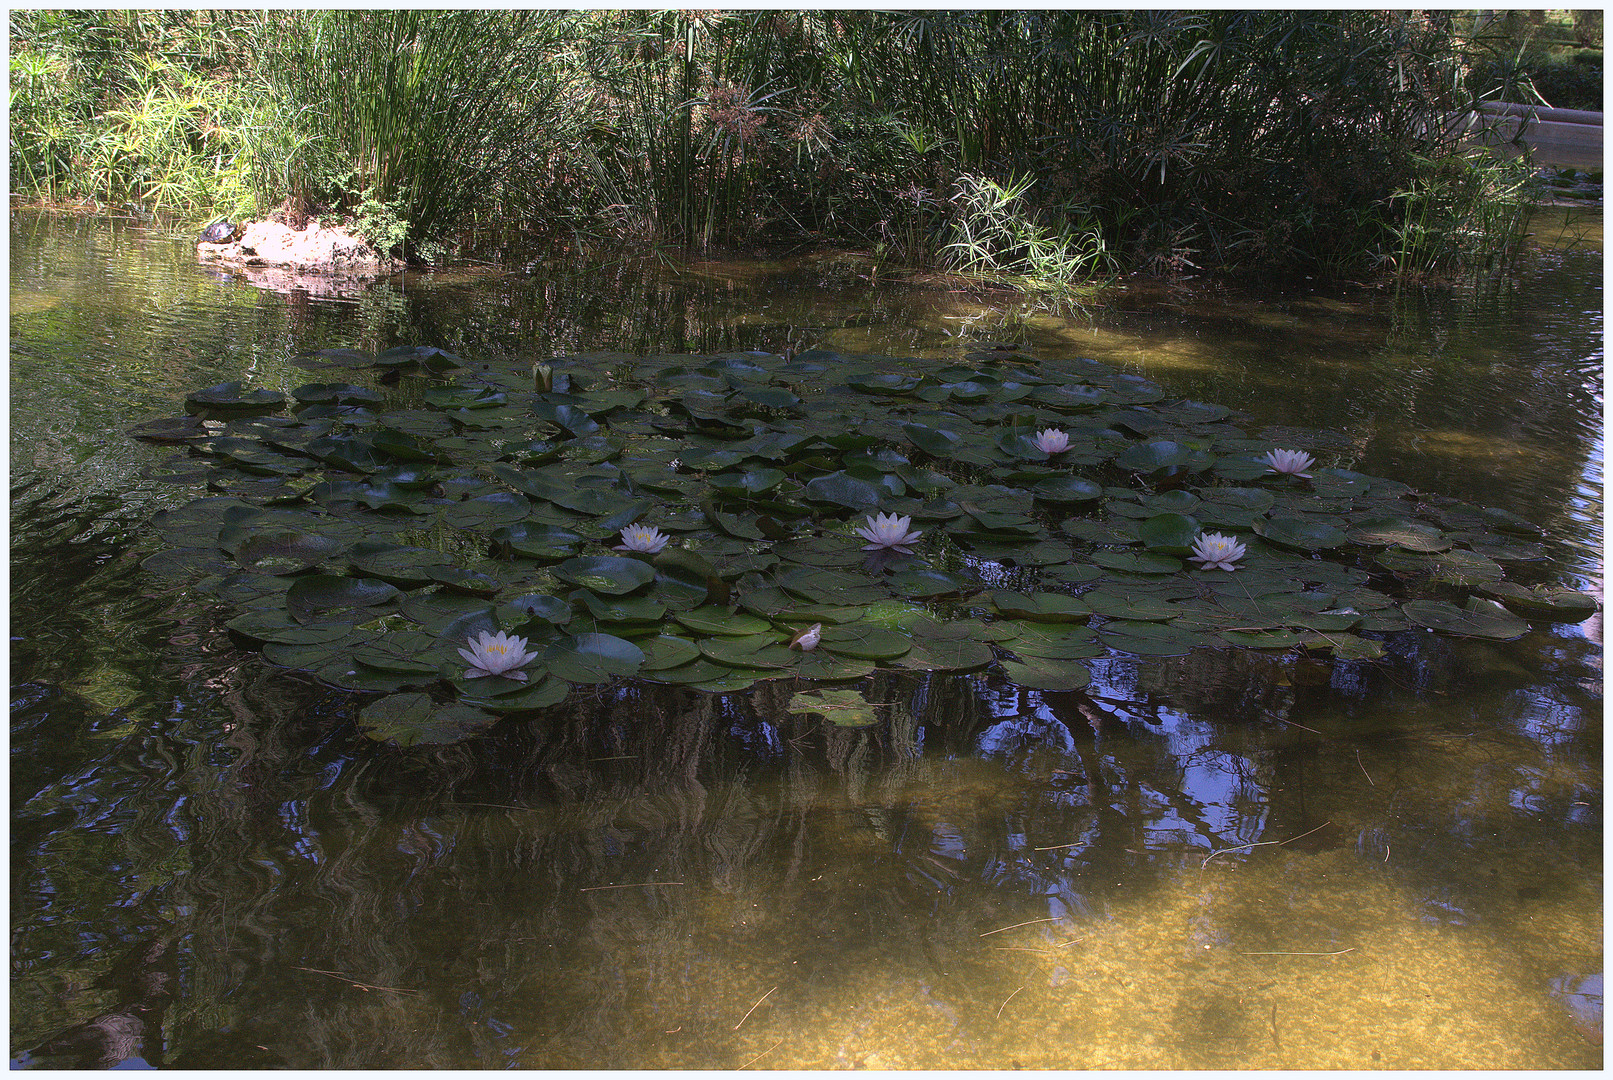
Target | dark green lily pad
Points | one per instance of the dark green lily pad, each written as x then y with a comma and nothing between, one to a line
606,573
1299,534
1149,638
285,551
1547,602
1066,489
1151,457
1169,534
1401,532
530,696
1039,673
866,642
320,594
592,658
1041,607
1137,562
840,489
1478,618
666,651
232,397
759,651
931,654
717,620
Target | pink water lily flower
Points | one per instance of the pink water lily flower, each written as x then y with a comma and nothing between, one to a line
1289,462
1051,441
497,654
1216,552
888,531
647,539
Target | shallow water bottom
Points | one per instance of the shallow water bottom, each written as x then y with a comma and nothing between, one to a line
1308,961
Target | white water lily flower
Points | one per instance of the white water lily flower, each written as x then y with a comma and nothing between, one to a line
647,539
497,654
888,531
1216,552
807,640
1051,441
1289,462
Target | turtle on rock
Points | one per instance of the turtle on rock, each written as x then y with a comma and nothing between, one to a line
221,231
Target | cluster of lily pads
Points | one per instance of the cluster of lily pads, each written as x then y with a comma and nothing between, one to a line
472,540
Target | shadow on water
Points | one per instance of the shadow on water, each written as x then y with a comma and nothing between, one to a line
1224,860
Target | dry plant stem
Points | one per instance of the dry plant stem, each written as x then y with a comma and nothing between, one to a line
1016,926
1341,952
635,885
1364,769
1004,1005
353,982
753,1008
763,1054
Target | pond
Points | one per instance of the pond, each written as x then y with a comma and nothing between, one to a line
1224,859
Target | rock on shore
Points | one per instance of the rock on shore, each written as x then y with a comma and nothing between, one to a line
316,247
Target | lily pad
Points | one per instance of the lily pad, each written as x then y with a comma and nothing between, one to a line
1040,673
1169,534
1299,534
1041,607
843,708
416,720
285,551
606,574
592,658
1478,618
718,620
233,397
1401,532
1547,602
320,594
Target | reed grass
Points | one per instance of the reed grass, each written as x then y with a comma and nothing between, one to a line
1050,147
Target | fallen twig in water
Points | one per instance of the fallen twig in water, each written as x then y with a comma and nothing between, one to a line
1004,1005
1341,952
1263,843
753,1008
1016,926
1060,847
354,982
763,1054
1364,768
635,885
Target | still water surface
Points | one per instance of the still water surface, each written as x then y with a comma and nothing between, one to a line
1216,861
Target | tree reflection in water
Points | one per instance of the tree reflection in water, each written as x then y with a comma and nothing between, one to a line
616,883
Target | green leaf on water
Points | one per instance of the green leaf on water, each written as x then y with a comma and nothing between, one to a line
844,708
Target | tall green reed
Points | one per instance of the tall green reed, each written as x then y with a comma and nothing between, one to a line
428,115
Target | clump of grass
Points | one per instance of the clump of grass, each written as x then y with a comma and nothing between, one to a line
992,233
